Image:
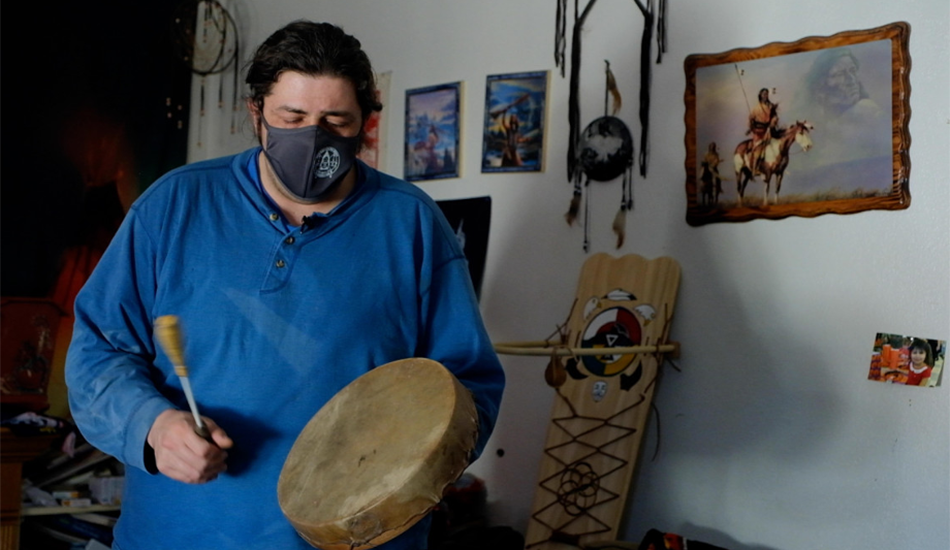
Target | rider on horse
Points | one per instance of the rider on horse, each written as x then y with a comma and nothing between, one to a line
763,125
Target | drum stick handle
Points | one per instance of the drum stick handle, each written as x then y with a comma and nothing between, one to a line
200,427
168,332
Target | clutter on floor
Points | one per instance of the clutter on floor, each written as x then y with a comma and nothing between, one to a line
70,493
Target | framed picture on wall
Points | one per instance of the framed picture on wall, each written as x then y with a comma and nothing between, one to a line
433,132
373,152
804,128
470,220
515,112
907,360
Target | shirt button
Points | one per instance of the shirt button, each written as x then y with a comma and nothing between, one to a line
289,240
280,263
274,217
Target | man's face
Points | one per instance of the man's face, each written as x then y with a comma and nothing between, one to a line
297,100
842,82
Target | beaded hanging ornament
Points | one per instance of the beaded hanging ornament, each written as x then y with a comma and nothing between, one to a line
206,39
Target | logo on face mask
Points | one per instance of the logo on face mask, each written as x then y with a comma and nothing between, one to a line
326,162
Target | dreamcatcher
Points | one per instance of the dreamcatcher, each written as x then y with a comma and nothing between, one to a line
606,139
604,152
206,39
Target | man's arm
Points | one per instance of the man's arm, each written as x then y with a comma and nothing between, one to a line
112,382
457,339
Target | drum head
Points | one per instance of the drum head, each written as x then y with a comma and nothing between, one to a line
377,457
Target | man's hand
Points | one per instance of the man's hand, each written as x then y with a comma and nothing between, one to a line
182,454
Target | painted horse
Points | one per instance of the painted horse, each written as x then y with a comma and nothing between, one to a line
772,161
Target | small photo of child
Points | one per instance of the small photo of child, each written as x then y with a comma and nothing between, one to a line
910,361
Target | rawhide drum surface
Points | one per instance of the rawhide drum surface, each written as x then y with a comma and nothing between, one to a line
378,456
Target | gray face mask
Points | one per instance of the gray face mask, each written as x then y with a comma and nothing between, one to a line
309,162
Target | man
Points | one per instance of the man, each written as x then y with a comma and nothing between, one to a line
763,118
763,121
294,268
711,180
834,89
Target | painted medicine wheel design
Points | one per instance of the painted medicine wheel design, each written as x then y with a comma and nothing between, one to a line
611,328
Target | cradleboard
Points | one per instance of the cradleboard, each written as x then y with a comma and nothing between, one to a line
601,408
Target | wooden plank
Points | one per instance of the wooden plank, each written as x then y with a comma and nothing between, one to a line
599,413
68,510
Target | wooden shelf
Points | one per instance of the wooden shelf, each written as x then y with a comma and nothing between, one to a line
55,510
14,451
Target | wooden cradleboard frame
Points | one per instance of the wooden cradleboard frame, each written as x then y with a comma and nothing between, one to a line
600,411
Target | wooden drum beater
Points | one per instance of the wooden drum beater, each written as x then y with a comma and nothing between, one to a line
168,332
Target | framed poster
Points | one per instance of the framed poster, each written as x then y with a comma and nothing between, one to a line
433,132
515,112
373,152
470,220
799,129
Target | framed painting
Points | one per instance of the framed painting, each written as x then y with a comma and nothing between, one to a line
515,112
803,128
433,132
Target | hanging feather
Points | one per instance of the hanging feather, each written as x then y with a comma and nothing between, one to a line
620,225
575,207
614,91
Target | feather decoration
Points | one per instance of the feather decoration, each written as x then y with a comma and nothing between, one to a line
620,225
619,295
613,89
575,207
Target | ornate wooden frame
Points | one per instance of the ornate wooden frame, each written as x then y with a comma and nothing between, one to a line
831,180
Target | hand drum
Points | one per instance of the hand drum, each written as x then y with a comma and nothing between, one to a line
378,456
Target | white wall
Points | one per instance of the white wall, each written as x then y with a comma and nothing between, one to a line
772,438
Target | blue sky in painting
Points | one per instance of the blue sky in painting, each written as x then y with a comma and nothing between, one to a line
437,108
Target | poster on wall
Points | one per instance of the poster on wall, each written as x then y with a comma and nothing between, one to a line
907,360
470,220
373,152
799,129
515,112
433,132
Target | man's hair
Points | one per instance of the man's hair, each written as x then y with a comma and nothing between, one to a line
314,49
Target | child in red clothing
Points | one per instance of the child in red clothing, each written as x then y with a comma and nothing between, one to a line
921,363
